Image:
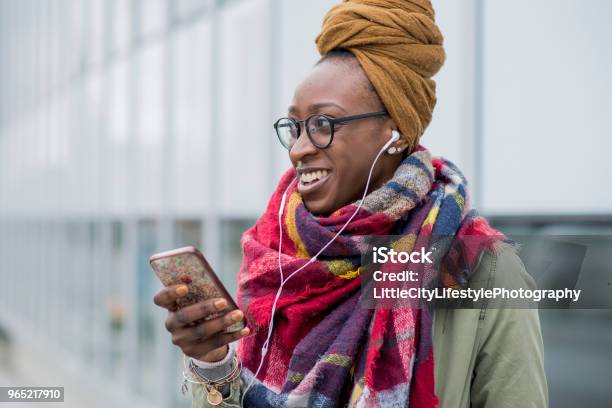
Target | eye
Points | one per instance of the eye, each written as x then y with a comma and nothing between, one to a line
320,125
319,121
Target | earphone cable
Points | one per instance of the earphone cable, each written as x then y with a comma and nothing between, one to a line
264,350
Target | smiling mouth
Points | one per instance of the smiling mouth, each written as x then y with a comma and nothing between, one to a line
310,181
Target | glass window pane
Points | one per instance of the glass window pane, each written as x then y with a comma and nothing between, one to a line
150,126
152,16
115,304
231,252
121,19
187,8
118,128
95,47
192,118
188,232
92,123
147,286
245,123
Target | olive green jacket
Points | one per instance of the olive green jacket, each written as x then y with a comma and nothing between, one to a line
484,358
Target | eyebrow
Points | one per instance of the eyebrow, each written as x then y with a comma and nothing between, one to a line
317,106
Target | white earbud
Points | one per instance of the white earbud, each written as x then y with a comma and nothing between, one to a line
395,136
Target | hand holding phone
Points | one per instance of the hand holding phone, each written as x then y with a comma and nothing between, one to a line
203,318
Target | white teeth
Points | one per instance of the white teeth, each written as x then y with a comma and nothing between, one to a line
313,175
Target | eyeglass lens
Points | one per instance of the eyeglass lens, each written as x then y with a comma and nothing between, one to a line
318,127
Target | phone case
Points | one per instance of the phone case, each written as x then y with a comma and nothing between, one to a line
188,266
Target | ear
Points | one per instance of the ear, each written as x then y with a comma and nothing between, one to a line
390,126
401,144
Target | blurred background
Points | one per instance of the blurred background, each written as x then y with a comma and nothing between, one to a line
129,127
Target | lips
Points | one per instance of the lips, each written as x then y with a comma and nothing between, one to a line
311,179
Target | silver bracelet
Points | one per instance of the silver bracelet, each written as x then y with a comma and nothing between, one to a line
214,397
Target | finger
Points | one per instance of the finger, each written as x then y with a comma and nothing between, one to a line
226,338
198,349
189,314
168,295
200,310
211,328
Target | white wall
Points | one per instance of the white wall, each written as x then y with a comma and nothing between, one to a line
548,106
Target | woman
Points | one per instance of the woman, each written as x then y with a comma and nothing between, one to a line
353,127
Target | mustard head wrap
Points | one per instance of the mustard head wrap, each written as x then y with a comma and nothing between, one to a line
399,46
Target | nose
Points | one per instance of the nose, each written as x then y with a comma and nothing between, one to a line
302,148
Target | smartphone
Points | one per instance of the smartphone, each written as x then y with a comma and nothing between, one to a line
188,266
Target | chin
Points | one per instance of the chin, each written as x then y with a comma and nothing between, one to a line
318,207
323,202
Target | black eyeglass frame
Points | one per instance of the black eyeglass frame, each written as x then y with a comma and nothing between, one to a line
332,122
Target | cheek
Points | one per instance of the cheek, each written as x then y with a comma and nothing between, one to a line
352,157
352,174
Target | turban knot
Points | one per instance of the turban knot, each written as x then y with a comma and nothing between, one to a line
399,47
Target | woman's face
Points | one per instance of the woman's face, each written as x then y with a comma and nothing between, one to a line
336,89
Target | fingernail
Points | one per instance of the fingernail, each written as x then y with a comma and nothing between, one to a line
245,331
182,290
220,304
237,315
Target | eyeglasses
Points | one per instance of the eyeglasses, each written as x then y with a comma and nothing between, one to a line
319,128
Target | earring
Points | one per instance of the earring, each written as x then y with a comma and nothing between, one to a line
393,150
